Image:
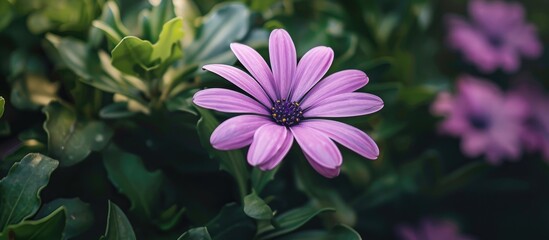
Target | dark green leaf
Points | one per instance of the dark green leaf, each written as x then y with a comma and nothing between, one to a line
116,110
128,174
95,68
200,233
260,178
256,208
49,227
118,226
70,139
231,223
169,217
20,189
292,220
231,161
79,215
226,23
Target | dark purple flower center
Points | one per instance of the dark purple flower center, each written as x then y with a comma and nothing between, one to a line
495,41
286,113
479,122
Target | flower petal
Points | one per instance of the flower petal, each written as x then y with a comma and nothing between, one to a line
346,135
257,66
345,105
283,61
317,146
224,100
345,81
280,154
324,171
311,68
237,132
269,140
241,80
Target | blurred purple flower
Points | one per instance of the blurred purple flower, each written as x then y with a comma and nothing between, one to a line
496,37
430,229
487,120
535,134
287,103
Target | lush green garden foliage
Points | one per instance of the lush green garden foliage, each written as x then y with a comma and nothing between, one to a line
100,137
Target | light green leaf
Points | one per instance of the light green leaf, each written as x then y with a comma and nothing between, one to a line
2,103
168,41
118,225
136,57
226,23
256,208
231,161
79,215
20,189
49,227
128,174
133,56
71,139
292,220
200,233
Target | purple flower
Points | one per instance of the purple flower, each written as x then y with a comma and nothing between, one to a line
288,101
487,120
496,37
430,229
535,134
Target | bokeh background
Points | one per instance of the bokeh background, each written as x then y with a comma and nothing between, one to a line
132,136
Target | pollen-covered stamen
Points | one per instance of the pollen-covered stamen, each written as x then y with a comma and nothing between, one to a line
286,113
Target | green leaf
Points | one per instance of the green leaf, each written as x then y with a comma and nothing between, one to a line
292,220
116,110
128,174
49,227
199,233
154,19
231,223
169,217
231,161
118,226
20,189
6,13
79,215
71,139
225,24
111,24
136,57
95,68
260,178
256,208
2,103
338,232
133,56
30,91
